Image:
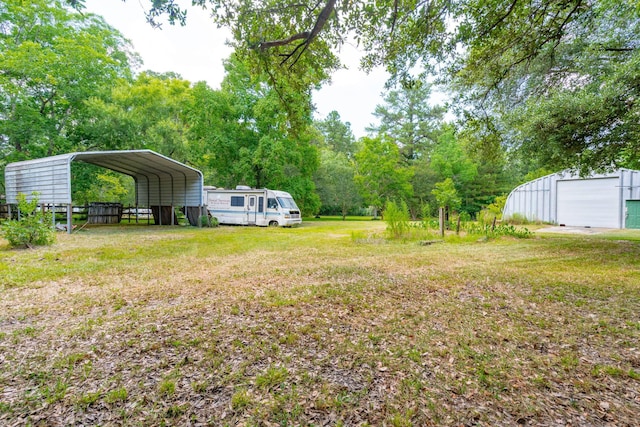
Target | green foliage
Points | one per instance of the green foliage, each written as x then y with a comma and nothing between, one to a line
486,217
208,221
242,134
397,219
273,377
446,194
52,62
464,216
337,135
33,228
380,174
493,211
118,395
95,184
571,64
572,95
335,183
497,206
517,219
408,117
240,399
449,159
145,113
499,230
167,387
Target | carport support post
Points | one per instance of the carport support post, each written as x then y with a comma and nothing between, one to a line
69,217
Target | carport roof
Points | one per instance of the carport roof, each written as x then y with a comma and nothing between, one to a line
159,179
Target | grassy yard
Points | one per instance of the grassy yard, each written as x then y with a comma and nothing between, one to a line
325,324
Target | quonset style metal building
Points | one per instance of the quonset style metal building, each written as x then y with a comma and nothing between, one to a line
600,200
159,180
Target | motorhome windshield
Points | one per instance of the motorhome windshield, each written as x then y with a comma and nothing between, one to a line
287,203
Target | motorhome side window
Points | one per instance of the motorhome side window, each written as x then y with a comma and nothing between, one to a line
271,203
237,200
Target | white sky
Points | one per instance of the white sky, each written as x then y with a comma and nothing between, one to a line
196,52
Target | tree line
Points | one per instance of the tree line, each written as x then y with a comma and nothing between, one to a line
534,88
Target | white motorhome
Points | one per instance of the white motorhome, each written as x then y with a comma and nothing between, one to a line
252,206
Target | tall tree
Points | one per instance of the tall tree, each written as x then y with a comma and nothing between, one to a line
495,53
497,172
380,172
241,135
147,112
335,183
51,61
337,134
450,161
407,116
569,99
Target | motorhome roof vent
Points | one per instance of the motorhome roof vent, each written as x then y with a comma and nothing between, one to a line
243,187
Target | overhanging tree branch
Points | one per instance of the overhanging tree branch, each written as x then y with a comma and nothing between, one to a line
306,36
282,42
499,20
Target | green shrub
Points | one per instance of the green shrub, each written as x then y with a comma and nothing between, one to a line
464,216
425,211
499,230
33,228
486,217
208,221
397,219
497,206
518,219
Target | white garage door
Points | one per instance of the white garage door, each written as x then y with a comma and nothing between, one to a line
589,202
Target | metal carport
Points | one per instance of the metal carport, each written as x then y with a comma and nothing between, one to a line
159,180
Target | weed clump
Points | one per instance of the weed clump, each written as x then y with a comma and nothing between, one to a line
32,228
397,219
491,231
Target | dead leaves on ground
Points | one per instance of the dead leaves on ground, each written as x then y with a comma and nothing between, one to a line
371,339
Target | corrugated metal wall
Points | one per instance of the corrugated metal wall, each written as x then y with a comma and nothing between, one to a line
630,184
537,200
533,200
50,177
161,189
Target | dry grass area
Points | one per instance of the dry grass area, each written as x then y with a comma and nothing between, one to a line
319,326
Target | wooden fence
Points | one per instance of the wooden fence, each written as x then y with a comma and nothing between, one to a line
4,210
110,213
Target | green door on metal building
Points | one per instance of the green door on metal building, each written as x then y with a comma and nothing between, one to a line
633,214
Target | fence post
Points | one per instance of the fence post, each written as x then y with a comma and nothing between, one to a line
69,218
441,221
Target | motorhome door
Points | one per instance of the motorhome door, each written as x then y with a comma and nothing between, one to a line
252,210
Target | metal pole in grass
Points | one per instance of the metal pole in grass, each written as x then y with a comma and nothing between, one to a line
441,221
69,218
